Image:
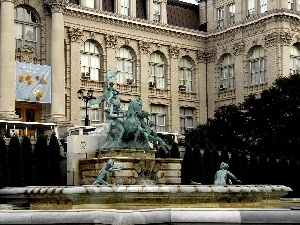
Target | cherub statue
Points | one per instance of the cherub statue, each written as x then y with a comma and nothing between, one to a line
222,175
104,173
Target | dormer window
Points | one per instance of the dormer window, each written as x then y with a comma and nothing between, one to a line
156,12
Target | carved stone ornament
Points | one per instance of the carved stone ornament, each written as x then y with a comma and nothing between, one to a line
92,35
238,48
206,56
285,38
75,34
111,41
270,39
144,47
174,52
27,54
56,6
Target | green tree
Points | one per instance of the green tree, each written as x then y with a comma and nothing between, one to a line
273,170
208,166
198,167
244,177
4,169
253,169
263,177
224,155
215,161
175,151
235,163
187,165
54,161
28,161
15,162
41,155
283,172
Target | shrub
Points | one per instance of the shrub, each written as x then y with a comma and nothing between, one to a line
42,163
54,161
28,161
4,169
15,162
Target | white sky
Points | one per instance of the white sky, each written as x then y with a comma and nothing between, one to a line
189,1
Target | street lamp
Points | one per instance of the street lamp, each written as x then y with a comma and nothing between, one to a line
86,99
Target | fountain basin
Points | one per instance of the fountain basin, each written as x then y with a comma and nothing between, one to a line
140,196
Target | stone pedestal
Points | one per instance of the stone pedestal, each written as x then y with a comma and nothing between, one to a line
139,167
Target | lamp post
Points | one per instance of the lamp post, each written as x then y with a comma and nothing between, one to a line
86,99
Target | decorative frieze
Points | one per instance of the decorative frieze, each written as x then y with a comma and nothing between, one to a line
75,34
111,41
27,54
283,38
206,56
270,39
239,48
144,47
174,52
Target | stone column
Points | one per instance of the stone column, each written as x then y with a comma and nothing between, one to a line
57,60
164,18
7,62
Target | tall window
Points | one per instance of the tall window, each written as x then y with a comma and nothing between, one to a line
295,59
185,74
257,66
290,4
157,71
95,116
90,3
231,14
156,11
298,5
220,17
125,7
263,6
186,119
227,77
26,28
90,60
250,8
124,65
158,115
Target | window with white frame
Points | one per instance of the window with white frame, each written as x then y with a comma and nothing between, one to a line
298,5
157,71
290,4
220,14
158,116
156,11
231,14
250,8
90,3
125,6
257,66
124,65
294,59
186,119
26,28
227,77
263,5
94,116
90,60
186,74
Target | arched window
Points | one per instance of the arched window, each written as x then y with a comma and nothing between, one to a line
90,61
125,66
295,59
26,28
157,71
185,75
227,77
257,66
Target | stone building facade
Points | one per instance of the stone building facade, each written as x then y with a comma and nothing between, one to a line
184,60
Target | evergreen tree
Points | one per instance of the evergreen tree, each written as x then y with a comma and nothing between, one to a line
263,177
198,167
244,168
294,168
175,151
4,169
235,163
215,161
208,166
28,161
41,161
15,162
253,169
283,170
54,161
273,170
187,165
224,155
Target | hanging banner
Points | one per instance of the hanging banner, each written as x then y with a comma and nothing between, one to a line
33,82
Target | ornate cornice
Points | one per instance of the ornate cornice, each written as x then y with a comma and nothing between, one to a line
75,34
